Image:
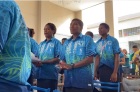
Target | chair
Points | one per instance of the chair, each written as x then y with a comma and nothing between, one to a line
56,90
43,89
40,89
108,85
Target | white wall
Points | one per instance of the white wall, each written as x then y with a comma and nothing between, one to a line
128,24
29,10
39,13
60,16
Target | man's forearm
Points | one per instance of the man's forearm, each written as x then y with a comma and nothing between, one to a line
116,63
84,62
97,61
54,60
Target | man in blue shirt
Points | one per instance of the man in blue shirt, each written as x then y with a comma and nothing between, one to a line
49,52
107,59
35,51
77,56
15,61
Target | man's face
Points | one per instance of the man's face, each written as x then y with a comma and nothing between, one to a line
135,49
75,28
48,32
124,51
102,30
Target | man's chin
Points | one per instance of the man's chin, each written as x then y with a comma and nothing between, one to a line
73,32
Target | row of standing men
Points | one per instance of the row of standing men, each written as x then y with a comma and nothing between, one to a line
75,57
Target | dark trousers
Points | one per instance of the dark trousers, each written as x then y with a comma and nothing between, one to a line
30,80
126,71
105,73
47,83
73,89
132,71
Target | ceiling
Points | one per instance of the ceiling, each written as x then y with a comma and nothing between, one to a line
76,5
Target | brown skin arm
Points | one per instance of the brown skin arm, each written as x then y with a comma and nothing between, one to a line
116,65
96,63
122,61
82,63
135,60
54,60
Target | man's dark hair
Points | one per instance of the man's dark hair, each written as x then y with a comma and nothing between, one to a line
90,33
105,25
135,46
31,32
80,22
52,26
64,38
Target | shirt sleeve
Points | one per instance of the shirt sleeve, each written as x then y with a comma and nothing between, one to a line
62,52
116,47
90,47
34,47
121,55
5,22
57,49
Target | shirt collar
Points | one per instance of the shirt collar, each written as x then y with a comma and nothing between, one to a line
108,36
79,36
49,40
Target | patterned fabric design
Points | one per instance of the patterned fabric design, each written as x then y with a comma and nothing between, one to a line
48,50
74,51
106,48
15,62
34,47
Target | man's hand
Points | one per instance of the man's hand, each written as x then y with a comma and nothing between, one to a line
96,76
38,63
63,65
113,77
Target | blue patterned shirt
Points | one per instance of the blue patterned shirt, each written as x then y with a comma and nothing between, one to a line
73,52
15,61
34,47
48,50
106,49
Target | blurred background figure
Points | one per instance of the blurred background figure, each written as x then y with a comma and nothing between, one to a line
126,66
90,34
35,52
134,62
31,32
63,40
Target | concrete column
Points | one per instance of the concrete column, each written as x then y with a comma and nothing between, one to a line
111,18
39,22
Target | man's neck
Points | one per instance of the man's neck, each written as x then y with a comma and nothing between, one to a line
48,38
104,36
75,36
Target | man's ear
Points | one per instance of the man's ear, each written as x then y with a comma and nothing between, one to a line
107,31
81,29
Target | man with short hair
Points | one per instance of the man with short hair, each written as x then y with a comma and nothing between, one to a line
135,61
77,56
63,40
107,59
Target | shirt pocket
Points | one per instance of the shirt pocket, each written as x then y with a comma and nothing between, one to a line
81,50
